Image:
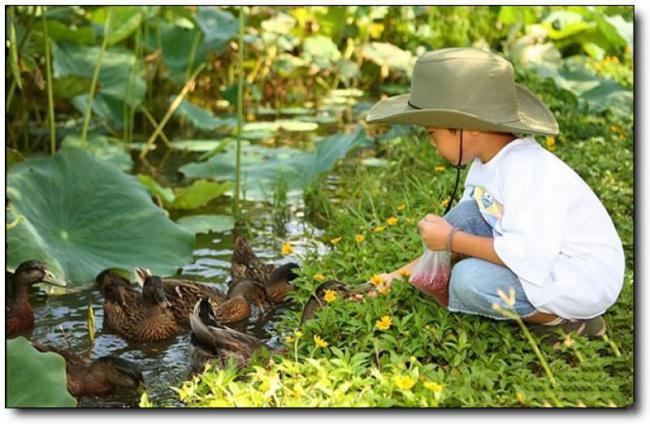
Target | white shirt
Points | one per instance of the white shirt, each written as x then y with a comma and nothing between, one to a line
550,229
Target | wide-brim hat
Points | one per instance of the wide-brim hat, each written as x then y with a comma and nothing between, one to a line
466,88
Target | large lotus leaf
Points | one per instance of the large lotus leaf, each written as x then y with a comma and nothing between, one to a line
58,31
117,83
386,54
35,379
263,169
83,215
177,51
218,27
207,223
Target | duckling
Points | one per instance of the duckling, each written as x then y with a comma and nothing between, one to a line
98,377
316,301
144,318
212,341
247,266
20,315
183,295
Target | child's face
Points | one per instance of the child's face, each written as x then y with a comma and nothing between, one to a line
446,143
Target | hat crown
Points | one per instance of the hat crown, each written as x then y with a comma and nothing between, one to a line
465,79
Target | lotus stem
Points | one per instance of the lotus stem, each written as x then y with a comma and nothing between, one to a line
93,84
240,112
175,104
50,97
154,124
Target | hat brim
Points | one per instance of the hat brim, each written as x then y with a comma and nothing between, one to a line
534,116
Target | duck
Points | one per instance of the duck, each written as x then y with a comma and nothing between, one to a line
317,301
212,342
247,266
20,315
97,377
183,294
142,317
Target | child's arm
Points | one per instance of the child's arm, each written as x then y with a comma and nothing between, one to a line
475,246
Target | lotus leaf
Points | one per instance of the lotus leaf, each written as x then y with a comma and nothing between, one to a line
109,149
218,27
207,223
83,215
198,194
203,119
35,379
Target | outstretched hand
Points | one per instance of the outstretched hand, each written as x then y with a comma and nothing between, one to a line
434,230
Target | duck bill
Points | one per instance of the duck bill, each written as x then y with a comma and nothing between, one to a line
50,278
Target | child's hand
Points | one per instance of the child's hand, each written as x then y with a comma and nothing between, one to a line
434,230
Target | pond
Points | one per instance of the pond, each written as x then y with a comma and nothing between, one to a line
62,320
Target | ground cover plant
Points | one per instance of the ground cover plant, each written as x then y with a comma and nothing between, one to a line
155,135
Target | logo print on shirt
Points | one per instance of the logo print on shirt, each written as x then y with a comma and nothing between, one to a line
491,210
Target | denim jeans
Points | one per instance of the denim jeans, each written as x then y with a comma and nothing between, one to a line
474,282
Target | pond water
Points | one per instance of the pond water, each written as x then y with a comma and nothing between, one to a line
61,320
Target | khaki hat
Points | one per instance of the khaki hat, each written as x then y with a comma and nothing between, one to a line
466,88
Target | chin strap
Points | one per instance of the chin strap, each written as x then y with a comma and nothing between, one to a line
458,167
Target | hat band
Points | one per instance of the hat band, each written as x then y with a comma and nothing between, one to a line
498,122
412,105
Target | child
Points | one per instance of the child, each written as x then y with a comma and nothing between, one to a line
526,221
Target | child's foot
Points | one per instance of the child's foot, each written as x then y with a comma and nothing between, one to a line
592,327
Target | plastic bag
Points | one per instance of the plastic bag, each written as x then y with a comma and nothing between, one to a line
431,275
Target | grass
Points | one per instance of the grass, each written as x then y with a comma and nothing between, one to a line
428,356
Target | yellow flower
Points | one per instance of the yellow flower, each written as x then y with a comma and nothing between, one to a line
439,168
359,238
288,339
384,323
520,397
330,296
298,334
404,382
444,202
319,277
286,249
379,228
550,141
376,280
392,221
433,386
401,207
335,240
405,273
568,341
320,342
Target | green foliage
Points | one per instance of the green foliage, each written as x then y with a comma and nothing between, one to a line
35,379
83,215
207,223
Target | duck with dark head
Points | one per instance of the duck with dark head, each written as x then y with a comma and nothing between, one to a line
144,317
20,315
97,377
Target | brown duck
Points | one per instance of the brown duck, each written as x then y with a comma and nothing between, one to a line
143,317
247,266
183,295
97,377
213,342
20,315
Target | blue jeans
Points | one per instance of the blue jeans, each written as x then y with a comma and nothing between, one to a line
474,282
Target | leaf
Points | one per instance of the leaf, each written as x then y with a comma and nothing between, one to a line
203,119
176,42
320,51
386,54
126,20
201,145
218,27
70,86
59,32
35,379
264,169
83,215
105,148
165,193
207,223
200,193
